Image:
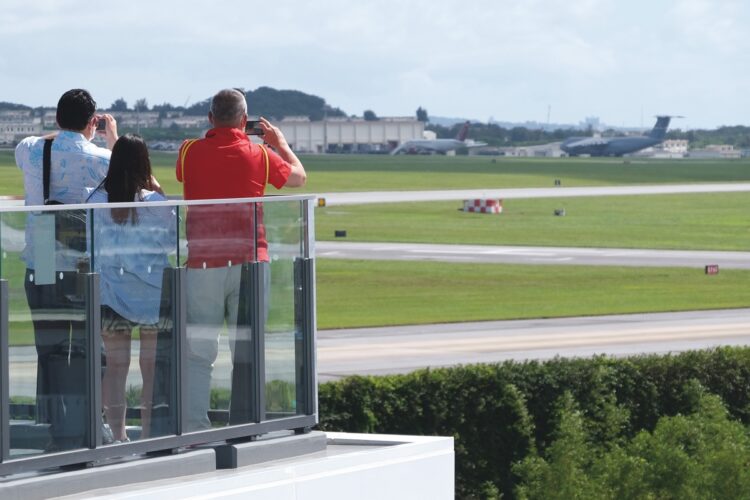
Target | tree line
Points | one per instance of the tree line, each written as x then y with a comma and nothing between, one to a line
263,101
277,104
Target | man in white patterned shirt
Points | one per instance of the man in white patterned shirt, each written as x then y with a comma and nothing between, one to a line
58,318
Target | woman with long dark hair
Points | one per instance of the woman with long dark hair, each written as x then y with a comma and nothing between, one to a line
130,251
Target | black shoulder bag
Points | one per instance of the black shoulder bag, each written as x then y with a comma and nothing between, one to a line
70,225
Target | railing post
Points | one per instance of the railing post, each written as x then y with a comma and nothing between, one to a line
258,330
311,307
94,347
4,373
304,342
248,363
179,318
169,406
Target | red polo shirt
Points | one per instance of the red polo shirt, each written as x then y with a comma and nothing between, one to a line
225,164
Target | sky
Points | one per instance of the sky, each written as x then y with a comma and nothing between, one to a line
519,60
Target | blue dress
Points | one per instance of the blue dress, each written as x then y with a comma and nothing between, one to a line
131,257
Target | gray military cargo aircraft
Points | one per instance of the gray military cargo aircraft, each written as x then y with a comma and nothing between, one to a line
440,146
617,146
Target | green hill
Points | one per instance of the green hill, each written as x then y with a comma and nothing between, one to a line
276,104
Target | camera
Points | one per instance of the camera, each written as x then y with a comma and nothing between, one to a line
101,125
253,128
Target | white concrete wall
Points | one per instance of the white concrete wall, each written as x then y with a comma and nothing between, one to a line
355,466
314,137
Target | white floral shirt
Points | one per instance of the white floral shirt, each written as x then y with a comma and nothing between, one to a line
75,164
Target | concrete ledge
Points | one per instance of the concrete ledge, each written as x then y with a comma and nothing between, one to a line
231,456
42,486
361,466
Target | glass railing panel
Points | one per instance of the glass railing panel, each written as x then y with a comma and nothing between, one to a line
150,265
220,244
284,355
131,252
44,261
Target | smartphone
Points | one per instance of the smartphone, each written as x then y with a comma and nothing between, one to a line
253,128
101,125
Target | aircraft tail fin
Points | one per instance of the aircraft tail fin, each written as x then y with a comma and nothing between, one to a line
463,132
660,129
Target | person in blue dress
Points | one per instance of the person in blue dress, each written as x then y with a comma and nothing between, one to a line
130,252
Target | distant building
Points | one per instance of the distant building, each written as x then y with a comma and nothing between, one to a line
183,121
675,145
591,122
349,135
551,150
49,119
134,119
725,151
671,148
15,125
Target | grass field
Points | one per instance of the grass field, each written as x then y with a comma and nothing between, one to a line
379,293
684,222
328,173
375,173
352,293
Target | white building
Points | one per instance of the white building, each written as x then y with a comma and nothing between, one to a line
724,151
137,118
15,125
349,134
675,146
185,121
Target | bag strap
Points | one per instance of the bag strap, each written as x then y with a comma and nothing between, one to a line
183,154
46,168
265,156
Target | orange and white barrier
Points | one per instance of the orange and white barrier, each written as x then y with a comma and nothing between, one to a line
484,206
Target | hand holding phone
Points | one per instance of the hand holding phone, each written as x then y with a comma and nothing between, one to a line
101,125
252,127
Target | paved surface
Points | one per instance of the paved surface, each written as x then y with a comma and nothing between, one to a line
404,349
530,255
333,199
279,365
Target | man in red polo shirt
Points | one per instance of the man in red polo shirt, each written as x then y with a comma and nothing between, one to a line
224,164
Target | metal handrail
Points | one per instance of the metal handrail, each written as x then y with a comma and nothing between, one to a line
167,203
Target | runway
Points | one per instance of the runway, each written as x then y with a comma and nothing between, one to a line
531,255
378,351
361,198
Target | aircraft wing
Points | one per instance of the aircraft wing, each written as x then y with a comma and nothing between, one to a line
472,144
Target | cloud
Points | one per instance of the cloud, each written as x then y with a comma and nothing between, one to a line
717,26
480,58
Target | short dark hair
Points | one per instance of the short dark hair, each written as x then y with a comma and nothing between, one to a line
74,109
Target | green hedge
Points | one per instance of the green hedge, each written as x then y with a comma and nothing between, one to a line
500,414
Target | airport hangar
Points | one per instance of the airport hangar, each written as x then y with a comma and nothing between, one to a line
349,135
